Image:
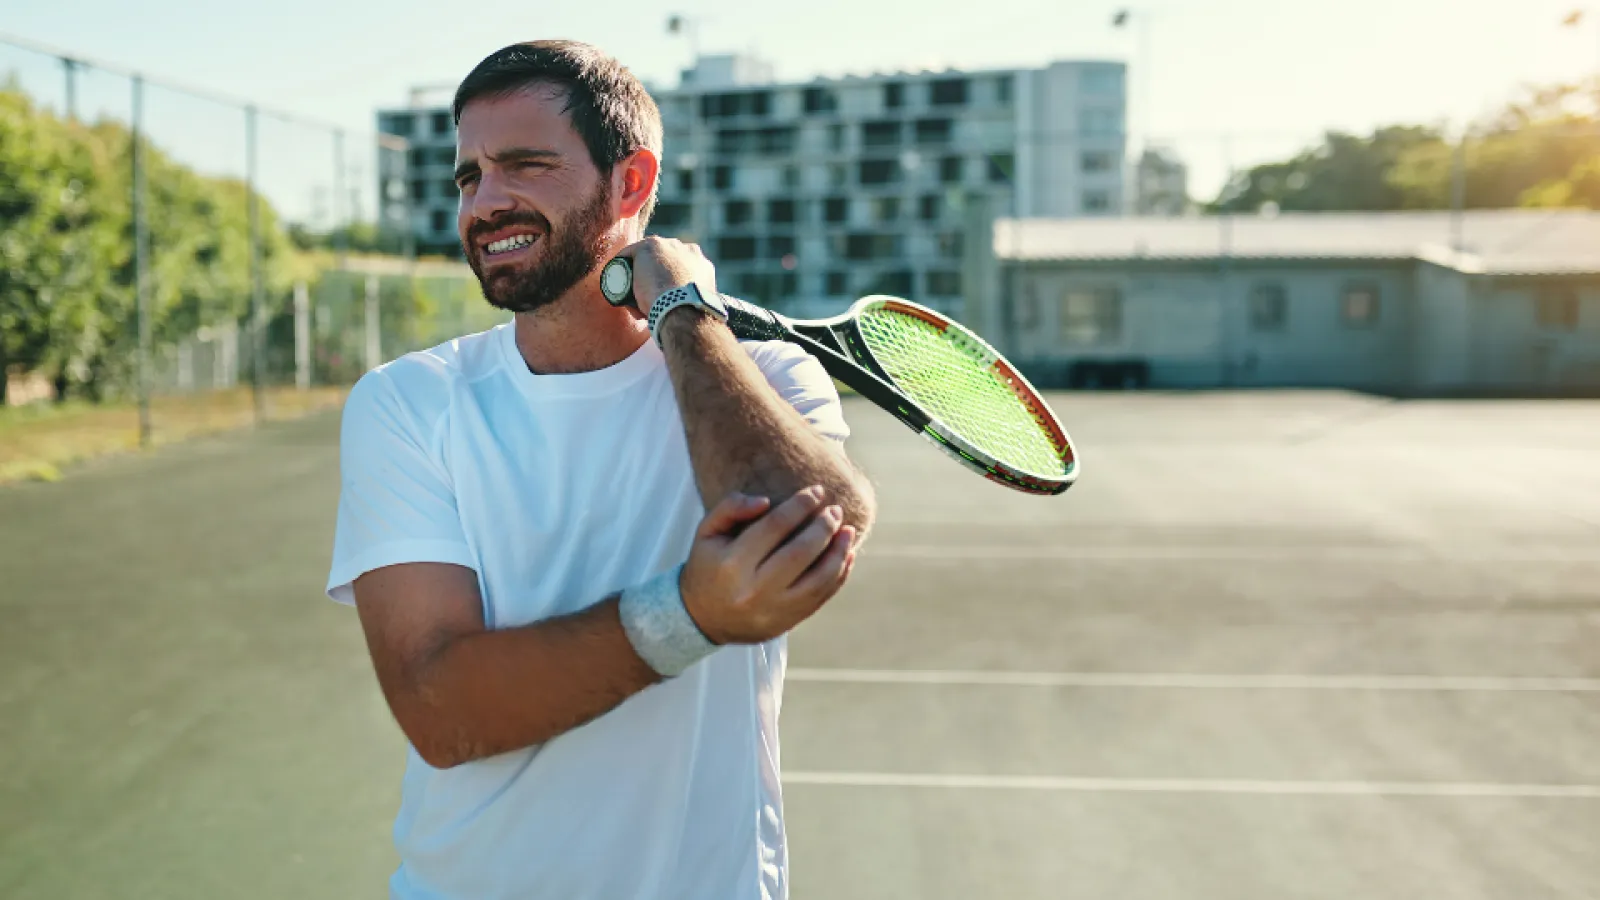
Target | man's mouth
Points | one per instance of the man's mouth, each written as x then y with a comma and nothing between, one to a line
507,246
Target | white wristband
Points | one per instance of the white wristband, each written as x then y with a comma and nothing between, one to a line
659,625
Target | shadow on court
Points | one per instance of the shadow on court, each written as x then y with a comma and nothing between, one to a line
1271,645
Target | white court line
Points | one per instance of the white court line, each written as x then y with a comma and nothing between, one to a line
1198,785
1458,683
1069,551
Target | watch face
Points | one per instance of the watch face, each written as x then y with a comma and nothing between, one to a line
616,281
713,300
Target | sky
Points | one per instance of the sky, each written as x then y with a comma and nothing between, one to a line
1228,82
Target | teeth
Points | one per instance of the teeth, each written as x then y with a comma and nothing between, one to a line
510,243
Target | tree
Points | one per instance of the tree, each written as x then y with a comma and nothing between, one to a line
1344,172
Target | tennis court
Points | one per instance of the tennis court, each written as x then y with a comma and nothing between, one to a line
1311,645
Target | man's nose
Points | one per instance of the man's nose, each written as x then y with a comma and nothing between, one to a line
491,198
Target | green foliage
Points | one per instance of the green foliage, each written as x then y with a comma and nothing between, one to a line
67,300
1541,150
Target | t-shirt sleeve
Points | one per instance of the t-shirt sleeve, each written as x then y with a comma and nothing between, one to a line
801,381
396,501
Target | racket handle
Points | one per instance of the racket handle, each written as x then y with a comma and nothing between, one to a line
747,321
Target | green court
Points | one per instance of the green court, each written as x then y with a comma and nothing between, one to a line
1318,645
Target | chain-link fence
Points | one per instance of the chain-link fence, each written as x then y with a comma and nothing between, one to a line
195,258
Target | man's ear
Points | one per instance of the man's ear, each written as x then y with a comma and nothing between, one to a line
634,181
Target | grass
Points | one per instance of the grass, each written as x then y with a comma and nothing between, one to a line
39,440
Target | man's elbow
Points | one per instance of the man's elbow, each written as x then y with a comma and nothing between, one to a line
858,501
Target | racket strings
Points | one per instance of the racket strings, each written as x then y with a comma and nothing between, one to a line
955,380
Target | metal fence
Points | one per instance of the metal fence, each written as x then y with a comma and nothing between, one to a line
198,255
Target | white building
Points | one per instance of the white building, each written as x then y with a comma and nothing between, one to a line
808,195
1492,302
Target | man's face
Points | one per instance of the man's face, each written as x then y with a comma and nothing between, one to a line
536,216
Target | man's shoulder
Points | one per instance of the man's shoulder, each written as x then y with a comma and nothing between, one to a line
422,382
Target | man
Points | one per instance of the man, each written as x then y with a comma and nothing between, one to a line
586,663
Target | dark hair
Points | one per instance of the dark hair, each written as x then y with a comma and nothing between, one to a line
609,107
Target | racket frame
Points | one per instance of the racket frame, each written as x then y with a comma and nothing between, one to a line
837,343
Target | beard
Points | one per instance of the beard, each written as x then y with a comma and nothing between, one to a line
567,257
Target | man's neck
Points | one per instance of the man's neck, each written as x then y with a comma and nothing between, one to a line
580,332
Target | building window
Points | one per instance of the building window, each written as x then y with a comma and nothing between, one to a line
1269,308
445,156
780,212
670,215
1091,315
1002,90
439,219
948,92
1001,166
791,176
1096,161
820,100
950,170
894,95
1557,308
1099,123
836,137
944,284
837,284
1102,81
441,123
727,106
895,283
736,212
1359,305
933,132
836,209
722,177
780,245
866,246
880,134
928,207
733,249
418,157
448,189
686,180
397,123
838,175
419,190
1096,201
879,171
950,244
885,209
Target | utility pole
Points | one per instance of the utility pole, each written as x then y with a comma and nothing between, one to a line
70,67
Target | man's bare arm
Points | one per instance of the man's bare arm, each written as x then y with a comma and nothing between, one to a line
462,693
742,436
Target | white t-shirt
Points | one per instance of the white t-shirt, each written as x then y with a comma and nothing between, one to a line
558,490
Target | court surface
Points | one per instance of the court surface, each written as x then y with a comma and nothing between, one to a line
1309,645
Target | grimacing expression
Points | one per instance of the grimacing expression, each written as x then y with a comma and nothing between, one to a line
536,215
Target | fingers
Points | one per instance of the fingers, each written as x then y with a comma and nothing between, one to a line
824,579
763,536
734,510
789,561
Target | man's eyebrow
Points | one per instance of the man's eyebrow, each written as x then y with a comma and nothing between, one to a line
510,154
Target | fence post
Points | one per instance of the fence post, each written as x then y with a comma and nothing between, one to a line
302,336
141,260
374,339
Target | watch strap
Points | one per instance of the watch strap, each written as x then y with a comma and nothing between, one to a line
686,295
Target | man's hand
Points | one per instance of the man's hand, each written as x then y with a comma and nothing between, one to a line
661,264
779,569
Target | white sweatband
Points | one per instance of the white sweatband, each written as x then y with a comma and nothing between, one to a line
659,625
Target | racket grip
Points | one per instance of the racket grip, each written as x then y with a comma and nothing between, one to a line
749,322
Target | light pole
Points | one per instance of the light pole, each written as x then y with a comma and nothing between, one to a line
1141,19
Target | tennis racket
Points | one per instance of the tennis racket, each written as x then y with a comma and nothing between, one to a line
923,368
